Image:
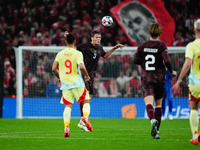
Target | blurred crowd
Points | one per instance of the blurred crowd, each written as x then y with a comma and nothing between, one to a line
43,22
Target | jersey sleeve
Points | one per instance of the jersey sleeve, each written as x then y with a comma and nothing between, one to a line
57,58
102,52
80,58
167,60
189,52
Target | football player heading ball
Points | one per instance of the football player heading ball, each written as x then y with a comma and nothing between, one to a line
91,53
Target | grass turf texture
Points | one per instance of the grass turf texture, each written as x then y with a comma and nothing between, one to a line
108,134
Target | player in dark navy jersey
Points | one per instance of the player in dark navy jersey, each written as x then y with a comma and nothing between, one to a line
91,54
153,58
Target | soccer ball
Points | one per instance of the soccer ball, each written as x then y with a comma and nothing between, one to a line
107,21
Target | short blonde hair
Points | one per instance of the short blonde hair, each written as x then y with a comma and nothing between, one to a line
197,25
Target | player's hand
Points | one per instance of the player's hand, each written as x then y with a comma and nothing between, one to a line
174,73
59,83
87,78
176,85
65,34
118,46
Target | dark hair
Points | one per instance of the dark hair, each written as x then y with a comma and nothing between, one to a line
70,38
155,30
95,32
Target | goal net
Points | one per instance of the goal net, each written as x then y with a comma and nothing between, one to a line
117,84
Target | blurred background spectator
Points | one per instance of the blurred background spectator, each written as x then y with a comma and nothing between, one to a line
53,90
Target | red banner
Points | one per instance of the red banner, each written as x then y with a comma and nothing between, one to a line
135,17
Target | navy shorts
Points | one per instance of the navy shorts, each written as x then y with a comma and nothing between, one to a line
155,89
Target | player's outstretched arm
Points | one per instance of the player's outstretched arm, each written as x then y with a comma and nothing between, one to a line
84,71
108,53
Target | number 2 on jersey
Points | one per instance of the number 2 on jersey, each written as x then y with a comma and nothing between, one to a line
68,64
150,60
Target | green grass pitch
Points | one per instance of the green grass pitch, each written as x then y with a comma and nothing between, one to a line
108,134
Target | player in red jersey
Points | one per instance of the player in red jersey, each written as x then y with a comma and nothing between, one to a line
91,54
153,58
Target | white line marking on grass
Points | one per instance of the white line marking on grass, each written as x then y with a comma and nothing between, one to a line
31,132
95,139
79,130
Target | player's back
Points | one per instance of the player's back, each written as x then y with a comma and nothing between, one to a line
69,59
193,52
151,61
193,49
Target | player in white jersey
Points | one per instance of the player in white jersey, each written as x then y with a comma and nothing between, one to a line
192,60
68,66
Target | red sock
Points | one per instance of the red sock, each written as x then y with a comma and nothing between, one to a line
81,108
150,111
158,114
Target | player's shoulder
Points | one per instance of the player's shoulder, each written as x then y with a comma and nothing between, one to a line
145,44
61,52
162,45
193,43
77,53
156,42
153,45
190,45
82,46
100,47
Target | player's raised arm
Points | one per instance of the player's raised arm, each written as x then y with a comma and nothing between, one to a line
108,53
66,33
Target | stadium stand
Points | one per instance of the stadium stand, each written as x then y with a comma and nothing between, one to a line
43,22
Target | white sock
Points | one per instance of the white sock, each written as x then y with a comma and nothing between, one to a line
67,116
195,136
66,128
152,120
86,109
194,121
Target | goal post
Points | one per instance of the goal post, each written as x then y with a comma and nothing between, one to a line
26,105
19,60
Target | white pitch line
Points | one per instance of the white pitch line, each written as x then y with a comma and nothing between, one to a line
96,130
96,139
31,132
